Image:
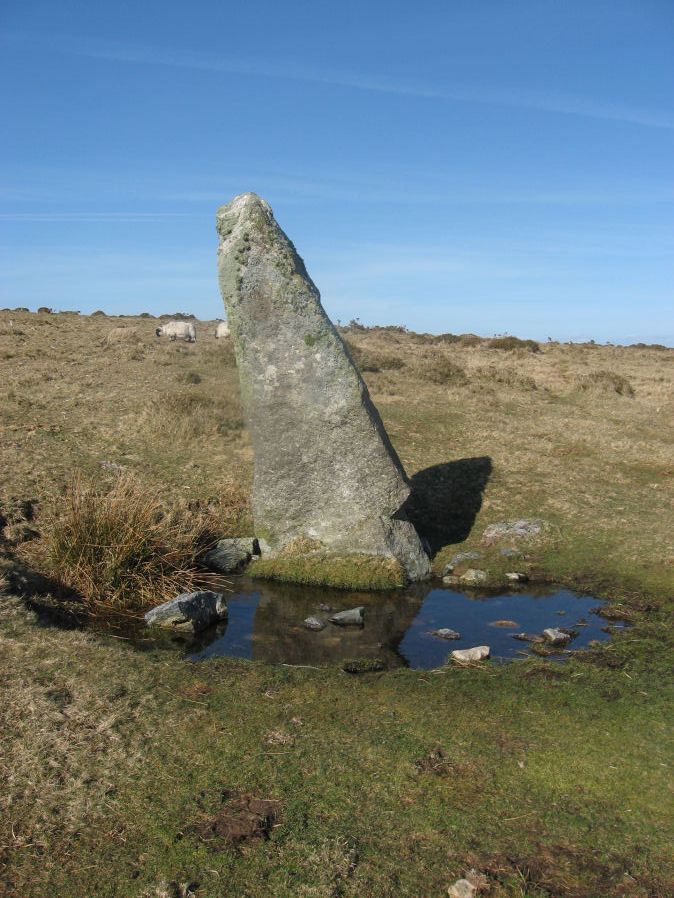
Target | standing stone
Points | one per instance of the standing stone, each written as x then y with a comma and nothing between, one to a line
325,471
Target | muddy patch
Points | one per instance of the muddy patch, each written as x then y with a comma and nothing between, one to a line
242,820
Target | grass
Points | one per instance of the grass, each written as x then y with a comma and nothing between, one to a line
350,571
118,549
549,780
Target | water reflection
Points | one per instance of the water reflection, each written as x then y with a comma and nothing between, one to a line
266,623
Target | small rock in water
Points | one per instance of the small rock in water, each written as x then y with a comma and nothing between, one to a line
477,653
473,575
516,577
521,529
190,611
528,637
556,637
313,623
324,607
503,623
450,580
446,633
351,617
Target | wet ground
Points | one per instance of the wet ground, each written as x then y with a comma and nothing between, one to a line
266,624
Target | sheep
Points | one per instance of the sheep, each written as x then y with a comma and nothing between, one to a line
178,329
222,330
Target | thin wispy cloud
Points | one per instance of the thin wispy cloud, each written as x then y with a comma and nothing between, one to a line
94,216
514,97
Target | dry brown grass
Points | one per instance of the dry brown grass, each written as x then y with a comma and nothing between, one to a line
593,463
118,548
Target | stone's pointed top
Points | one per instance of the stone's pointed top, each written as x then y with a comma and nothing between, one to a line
244,203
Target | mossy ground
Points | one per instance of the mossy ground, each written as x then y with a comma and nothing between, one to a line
352,571
549,779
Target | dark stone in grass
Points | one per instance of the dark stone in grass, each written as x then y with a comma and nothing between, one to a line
189,612
229,555
353,617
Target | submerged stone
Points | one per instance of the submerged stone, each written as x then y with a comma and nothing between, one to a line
446,633
324,468
351,617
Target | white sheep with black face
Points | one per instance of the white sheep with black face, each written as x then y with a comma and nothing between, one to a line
222,330
178,330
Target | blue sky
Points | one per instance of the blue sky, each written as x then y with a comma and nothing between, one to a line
453,166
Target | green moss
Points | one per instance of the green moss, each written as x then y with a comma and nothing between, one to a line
352,571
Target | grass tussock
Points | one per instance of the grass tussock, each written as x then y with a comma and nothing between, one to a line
371,361
188,414
316,568
604,382
119,549
507,376
508,344
438,369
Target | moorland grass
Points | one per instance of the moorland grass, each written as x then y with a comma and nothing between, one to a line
550,780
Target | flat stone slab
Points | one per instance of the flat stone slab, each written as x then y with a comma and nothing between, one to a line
446,633
189,612
513,530
324,468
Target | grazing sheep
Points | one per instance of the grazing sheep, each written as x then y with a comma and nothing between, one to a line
222,330
175,330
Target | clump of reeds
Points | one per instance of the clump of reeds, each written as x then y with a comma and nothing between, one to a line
119,549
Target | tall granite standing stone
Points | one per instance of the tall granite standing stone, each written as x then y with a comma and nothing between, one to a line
324,468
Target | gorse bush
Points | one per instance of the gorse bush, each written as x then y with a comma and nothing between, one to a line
510,343
119,549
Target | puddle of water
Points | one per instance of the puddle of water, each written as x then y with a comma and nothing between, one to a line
266,624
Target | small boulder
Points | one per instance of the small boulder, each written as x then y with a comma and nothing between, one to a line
477,653
229,555
528,637
353,617
446,633
313,623
556,637
189,612
516,577
513,530
473,575
462,888
451,580
459,558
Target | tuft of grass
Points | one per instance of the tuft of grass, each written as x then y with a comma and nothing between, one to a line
604,382
441,370
190,414
118,548
318,568
508,376
368,360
